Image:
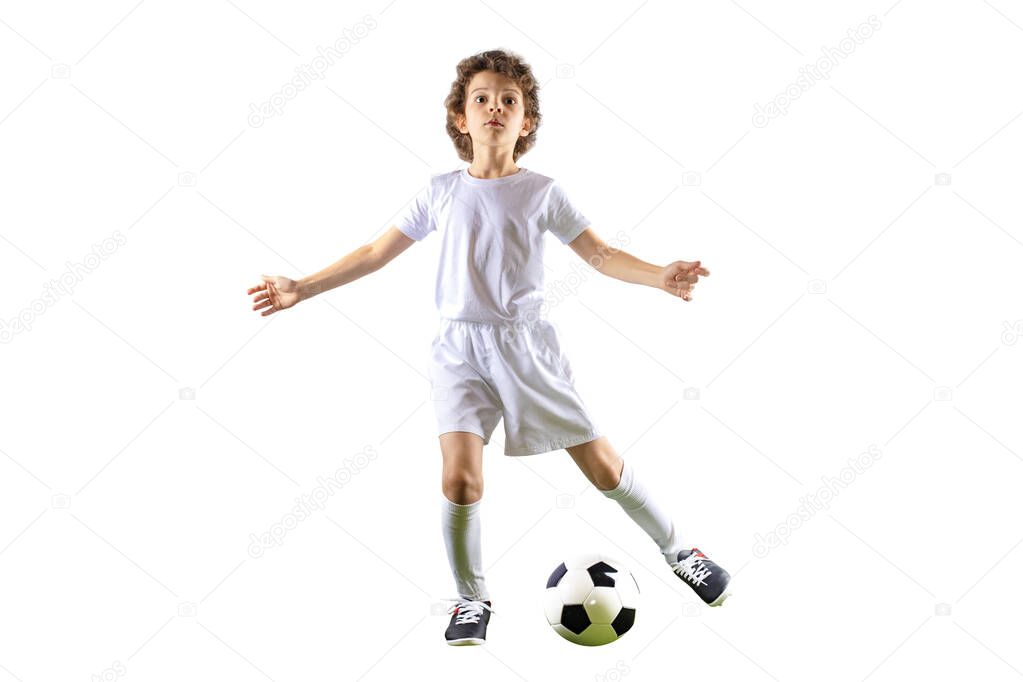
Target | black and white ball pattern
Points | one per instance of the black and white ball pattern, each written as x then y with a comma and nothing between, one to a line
591,599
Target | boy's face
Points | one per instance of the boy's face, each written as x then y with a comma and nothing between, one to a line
493,96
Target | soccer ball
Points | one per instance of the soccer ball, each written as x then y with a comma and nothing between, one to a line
591,599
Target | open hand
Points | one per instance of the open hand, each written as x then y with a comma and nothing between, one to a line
679,278
275,293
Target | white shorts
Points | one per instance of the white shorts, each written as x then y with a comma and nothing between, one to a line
481,371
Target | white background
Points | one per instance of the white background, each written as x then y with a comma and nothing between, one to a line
855,300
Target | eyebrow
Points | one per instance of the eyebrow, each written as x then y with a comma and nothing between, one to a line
517,92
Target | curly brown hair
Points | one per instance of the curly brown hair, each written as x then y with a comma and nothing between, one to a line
511,66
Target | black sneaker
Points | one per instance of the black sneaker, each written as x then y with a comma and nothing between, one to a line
705,577
469,620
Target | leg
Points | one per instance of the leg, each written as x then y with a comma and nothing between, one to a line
462,486
613,476
462,476
599,462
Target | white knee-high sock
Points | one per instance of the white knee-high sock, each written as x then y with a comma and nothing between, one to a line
635,499
461,527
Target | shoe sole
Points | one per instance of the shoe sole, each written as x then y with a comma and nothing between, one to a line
466,641
721,599
725,594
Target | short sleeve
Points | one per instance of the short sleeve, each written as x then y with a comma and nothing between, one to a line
561,217
416,220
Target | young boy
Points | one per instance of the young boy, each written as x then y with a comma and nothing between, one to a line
495,354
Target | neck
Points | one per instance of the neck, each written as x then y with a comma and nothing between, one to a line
489,163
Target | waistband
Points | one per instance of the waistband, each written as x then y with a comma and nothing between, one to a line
516,323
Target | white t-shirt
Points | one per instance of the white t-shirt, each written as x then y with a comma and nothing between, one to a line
492,231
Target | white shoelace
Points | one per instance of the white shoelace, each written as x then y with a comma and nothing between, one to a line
693,568
469,610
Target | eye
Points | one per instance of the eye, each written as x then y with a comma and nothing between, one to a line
510,100
477,98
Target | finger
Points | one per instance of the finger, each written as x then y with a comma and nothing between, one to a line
262,305
258,287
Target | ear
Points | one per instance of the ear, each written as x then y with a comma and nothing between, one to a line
460,123
527,126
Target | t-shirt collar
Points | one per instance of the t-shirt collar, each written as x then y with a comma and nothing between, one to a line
490,182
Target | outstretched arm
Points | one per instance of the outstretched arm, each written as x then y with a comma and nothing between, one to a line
279,293
359,263
676,278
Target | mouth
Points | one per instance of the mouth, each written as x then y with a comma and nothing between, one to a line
495,123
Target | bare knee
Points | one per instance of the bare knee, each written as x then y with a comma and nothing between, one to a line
462,487
599,462
462,478
607,474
